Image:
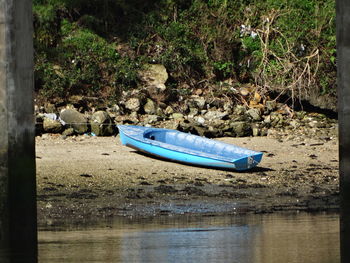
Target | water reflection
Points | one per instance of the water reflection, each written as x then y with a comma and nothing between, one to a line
253,238
190,245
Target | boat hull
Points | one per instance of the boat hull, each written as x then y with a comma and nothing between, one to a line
140,142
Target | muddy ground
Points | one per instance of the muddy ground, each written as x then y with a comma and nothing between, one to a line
85,178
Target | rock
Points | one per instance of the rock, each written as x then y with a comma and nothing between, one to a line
177,116
51,126
78,101
133,118
218,123
68,132
133,104
200,120
241,128
276,119
254,114
214,115
168,110
170,124
160,113
101,124
201,131
154,75
74,119
264,131
115,109
186,126
255,129
239,110
49,107
244,91
200,102
150,107
202,112
267,119
193,112
214,132
151,119
183,108
234,117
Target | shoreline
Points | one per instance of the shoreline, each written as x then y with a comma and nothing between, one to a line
85,177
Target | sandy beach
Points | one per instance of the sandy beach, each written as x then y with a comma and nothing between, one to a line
86,178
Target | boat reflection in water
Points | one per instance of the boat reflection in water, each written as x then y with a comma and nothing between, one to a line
250,238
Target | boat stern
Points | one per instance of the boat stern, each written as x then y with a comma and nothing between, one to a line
248,162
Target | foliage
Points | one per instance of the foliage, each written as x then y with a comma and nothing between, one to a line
279,45
81,62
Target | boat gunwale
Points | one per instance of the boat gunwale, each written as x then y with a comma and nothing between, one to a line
216,165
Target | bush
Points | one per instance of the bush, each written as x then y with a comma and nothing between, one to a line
279,45
83,63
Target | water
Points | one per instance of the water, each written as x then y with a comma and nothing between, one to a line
269,238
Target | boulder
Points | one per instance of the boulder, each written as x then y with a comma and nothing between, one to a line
49,107
193,112
239,110
276,120
200,120
76,120
254,114
217,123
177,116
214,115
150,119
68,132
115,110
133,118
255,129
133,104
170,124
241,128
51,126
101,124
160,113
197,102
154,75
169,110
201,131
150,107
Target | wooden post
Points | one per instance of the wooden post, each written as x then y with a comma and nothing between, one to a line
18,230
343,67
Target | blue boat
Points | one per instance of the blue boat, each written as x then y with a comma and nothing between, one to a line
188,148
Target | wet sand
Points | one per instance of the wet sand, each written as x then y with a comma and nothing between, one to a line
87,178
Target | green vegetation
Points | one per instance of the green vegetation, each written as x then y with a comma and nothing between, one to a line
96,47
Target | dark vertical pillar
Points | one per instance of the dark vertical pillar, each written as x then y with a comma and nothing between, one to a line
18,232
343,66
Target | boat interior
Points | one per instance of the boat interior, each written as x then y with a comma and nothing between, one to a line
197,143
